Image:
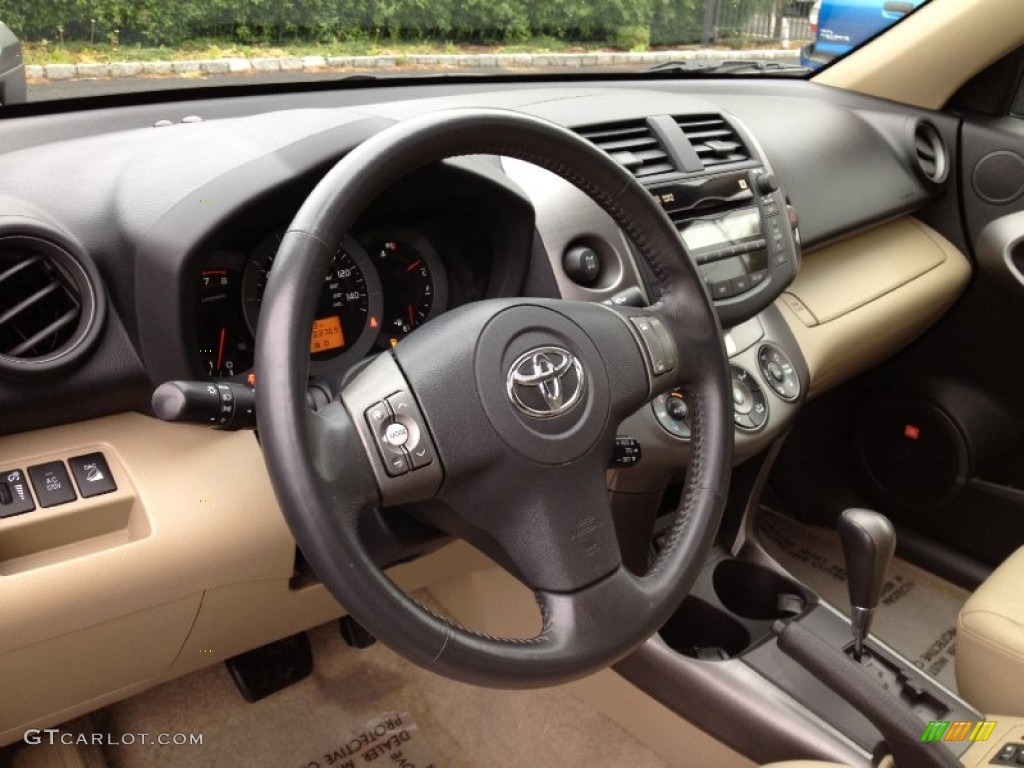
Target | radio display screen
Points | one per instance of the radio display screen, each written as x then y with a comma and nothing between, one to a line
733,228
737,266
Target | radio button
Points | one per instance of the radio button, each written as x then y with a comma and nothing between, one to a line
756,278
741,284
722,289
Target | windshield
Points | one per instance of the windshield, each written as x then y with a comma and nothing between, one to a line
78,48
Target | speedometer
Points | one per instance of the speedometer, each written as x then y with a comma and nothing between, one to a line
348,308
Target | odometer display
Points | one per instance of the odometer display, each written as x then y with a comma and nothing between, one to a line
327,334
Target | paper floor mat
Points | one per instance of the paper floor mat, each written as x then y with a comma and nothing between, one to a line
366,708
917,613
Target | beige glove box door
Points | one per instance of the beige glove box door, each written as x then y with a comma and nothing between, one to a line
858,301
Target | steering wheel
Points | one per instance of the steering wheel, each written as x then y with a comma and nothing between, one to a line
498,417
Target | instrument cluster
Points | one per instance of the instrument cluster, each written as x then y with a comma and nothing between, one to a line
382,284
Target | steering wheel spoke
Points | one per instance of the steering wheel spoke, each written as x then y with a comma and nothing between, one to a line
393,431
554,526
674,352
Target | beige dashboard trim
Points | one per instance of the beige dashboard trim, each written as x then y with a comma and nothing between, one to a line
981,753
857,302
926,58
188,563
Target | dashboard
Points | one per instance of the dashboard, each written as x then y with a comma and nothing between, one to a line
162,240
409,261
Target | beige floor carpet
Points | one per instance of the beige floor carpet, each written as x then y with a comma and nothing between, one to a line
366,708
917,613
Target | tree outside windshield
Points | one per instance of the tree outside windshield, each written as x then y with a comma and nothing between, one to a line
120,45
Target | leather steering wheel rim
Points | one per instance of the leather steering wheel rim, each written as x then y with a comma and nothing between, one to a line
323,471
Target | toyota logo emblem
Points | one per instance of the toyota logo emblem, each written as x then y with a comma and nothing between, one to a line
546,382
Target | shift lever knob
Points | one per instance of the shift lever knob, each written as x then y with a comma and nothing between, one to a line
869,542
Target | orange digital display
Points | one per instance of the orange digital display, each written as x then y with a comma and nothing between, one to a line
327,334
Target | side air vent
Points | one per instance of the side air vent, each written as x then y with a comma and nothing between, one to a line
929,152
713,139
51,305
631,144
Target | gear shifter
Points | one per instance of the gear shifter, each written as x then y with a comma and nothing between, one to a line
869,542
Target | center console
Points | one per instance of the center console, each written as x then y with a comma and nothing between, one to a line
758,661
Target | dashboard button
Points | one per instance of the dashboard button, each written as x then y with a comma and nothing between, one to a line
756,278
741,284
51,483
397,464
657,342
750,407
722,289
743,421
15,498
421,455
396,434
378,416
92,475
416,445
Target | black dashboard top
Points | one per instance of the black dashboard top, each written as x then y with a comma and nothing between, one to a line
168,213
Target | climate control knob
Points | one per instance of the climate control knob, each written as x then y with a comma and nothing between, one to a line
750,406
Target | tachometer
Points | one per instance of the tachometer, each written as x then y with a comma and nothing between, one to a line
413,278
348,309
225,343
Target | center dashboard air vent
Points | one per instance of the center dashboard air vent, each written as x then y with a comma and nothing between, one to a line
631,144
51,305
713,139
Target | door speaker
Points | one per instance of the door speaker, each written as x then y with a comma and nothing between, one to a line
912,452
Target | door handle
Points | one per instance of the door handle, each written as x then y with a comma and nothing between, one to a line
1000,250
898,7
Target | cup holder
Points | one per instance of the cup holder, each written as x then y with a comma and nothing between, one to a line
703,631
755,592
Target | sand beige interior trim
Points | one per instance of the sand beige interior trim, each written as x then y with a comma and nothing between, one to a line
859,301
491,601
187,563
924,60
1008,729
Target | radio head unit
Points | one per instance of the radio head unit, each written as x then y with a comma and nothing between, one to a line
739,230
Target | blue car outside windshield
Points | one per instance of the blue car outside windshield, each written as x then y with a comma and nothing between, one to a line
842,25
